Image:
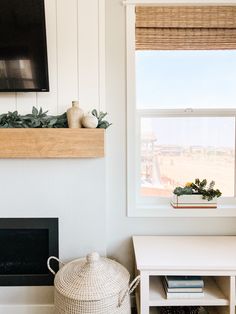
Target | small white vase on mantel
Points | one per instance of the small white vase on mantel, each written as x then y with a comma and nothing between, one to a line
75,115
89,121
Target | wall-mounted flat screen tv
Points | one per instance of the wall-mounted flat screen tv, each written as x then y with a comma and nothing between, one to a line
23,46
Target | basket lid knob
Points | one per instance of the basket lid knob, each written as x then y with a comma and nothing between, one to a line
93,257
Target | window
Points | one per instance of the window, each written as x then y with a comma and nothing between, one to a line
176,150
181,107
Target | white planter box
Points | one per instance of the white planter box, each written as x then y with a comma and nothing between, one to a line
192,201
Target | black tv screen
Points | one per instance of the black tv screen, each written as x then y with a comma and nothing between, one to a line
23,47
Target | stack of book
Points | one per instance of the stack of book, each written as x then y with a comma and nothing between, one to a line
183,287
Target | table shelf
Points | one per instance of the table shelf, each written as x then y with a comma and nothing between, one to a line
212,295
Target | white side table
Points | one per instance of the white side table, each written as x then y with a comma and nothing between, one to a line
213,257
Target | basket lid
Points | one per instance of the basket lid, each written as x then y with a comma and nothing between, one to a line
93,278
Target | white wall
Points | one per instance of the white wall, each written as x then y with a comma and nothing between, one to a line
73,190
63,63
74,54
120,228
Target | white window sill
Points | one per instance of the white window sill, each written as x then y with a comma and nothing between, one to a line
169,211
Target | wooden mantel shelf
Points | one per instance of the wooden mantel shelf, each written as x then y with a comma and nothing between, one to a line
51,143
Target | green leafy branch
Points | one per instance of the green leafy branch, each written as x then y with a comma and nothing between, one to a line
36,119
40,119
102,124
199,187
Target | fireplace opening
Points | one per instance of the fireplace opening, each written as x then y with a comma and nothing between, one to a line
25,245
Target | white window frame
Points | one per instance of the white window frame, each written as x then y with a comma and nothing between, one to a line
153,206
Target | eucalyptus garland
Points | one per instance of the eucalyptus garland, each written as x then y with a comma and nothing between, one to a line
40,119
36,119
102,124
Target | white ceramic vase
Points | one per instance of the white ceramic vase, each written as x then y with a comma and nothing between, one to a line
90,121
75,116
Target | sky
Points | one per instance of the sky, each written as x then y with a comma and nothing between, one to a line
187,79
210,131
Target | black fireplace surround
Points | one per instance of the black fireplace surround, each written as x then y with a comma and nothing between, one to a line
25,245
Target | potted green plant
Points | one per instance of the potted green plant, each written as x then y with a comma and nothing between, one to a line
196,194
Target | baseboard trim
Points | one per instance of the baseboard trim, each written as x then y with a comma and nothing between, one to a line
27,309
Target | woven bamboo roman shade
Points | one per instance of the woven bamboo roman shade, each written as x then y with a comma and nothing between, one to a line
185,27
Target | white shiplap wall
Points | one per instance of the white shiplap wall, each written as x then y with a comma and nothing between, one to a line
72,190
74,56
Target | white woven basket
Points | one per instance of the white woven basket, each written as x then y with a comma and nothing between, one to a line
94,285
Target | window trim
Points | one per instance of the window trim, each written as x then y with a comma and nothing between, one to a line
131,112
227,206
